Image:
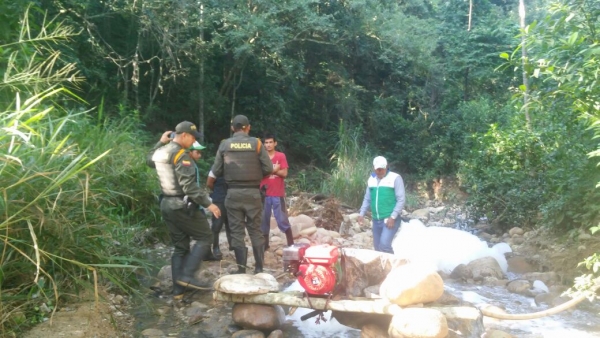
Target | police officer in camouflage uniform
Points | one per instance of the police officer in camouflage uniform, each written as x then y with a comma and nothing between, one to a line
181,196
243,162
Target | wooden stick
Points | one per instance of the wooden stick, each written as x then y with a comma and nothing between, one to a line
379,306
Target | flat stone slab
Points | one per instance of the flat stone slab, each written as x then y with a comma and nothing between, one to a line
243,284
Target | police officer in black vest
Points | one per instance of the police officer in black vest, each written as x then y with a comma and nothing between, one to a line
243,162
181,196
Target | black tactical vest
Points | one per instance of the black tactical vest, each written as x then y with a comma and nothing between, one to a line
241,163
163,158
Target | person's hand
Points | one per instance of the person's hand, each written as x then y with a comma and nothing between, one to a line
361,219
215,210
390,223
165,137
276,167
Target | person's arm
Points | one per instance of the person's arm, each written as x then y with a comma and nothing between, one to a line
217,168
400,197
282,170
210,180
164,139
366,202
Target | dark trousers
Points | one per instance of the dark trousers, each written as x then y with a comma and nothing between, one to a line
244,210
277,205
184,226
217,223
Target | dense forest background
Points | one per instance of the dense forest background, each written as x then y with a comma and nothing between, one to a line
501,94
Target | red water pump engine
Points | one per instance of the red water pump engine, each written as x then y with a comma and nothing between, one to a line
314,266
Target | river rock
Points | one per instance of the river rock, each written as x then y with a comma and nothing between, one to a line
258,316
276,334
363,268
151,333
464,322
302,222
496,334
357,320
484,267
418,323
422,214
519,286
248,334
519,264
549,278
461,272
260,283
516,231
373,331
308,231
412,284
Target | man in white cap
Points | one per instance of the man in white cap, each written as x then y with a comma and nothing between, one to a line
385,196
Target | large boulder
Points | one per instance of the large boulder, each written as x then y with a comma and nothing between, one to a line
258,316
412,284
485,267
418,323
302,222
363,268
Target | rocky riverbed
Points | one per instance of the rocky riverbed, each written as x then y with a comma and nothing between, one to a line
534,272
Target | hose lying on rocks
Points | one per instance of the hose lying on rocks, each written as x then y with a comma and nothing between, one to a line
540,314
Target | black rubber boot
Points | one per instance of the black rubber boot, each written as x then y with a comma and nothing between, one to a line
266,242
193,262
216,251
241,257
176,272
259,255
289,236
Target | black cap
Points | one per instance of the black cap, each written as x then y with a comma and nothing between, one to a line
240,121
188,127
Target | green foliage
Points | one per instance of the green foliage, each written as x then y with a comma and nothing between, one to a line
74,192
525,178
352,165
542,175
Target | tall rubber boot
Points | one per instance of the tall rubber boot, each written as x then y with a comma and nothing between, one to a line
259,256
193,262
216,251
266,242
289,236
176,272
241,257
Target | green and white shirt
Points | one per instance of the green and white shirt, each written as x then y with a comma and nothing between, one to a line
385,196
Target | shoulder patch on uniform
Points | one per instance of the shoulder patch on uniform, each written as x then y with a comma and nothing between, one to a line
186,163
178,155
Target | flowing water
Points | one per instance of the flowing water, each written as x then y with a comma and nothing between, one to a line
449,249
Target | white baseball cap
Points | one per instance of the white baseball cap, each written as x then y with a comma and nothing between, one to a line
379,162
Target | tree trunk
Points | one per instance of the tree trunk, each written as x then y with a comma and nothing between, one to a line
524,62
201,84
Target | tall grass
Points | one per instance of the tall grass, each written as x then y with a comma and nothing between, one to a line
352,166
75,194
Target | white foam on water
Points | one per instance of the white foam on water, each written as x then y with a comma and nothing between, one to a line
331,328
442,248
